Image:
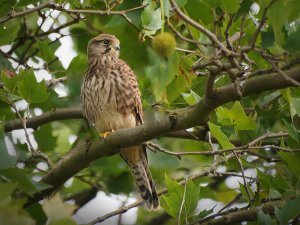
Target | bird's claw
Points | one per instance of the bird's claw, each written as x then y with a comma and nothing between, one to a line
105,134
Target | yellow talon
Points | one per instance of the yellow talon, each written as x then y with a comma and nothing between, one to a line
105,134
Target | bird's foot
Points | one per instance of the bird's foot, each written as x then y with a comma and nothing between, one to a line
106,134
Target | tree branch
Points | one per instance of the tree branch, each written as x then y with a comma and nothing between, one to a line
209,34
57,7
238,216
87,151
34,122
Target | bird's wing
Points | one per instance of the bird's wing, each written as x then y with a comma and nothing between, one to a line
132,95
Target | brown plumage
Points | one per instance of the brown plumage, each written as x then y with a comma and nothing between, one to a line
111,100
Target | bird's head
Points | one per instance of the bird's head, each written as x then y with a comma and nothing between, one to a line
104,45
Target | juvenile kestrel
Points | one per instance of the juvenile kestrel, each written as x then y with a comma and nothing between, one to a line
111,100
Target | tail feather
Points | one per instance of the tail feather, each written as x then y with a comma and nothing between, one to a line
155,201
136,158
142,182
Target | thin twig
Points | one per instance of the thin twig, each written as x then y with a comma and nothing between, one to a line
262,22
179,35
241,149
35,152
235,199
226,33
220,174
280,71
12,14
57,7
237,215
241,30
243,175
198,26
211,145
54,81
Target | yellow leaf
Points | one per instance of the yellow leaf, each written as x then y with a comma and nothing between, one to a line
56,209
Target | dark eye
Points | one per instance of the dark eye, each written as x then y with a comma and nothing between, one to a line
106,42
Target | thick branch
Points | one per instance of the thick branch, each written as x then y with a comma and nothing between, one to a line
86,152
34,122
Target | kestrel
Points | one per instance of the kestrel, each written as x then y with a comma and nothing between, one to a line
111,100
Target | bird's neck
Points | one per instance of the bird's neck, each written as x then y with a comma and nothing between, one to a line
102,60
100,65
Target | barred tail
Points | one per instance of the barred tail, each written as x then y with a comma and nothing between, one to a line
136,158
155,201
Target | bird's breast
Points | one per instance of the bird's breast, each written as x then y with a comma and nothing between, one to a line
102,104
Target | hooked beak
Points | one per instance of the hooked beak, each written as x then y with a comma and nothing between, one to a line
117,47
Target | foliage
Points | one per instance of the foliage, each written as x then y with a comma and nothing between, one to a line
222,46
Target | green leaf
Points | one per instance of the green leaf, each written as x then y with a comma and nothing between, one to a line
77,66
267,38
62,144
6,160
263,218
15,215
292,131
264,3
9,31
235,116
68,221
165,73
167,8
292,161
173,186
293,7
241,120
199,10
6,114
220,136
37,213
272,185
191,98
6,7
30,89
202,214
224,116
245,8
26,2
45,52
245,193
6,191
22,177
9,83
45,138
5,64
122,183
181,3
177,194
294,101
289,211
265,180
230,6
276,21
292,43
104,165
191,198
151,18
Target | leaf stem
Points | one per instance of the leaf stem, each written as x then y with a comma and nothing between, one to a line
162,11
182,202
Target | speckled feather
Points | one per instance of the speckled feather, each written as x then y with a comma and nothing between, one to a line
111,100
